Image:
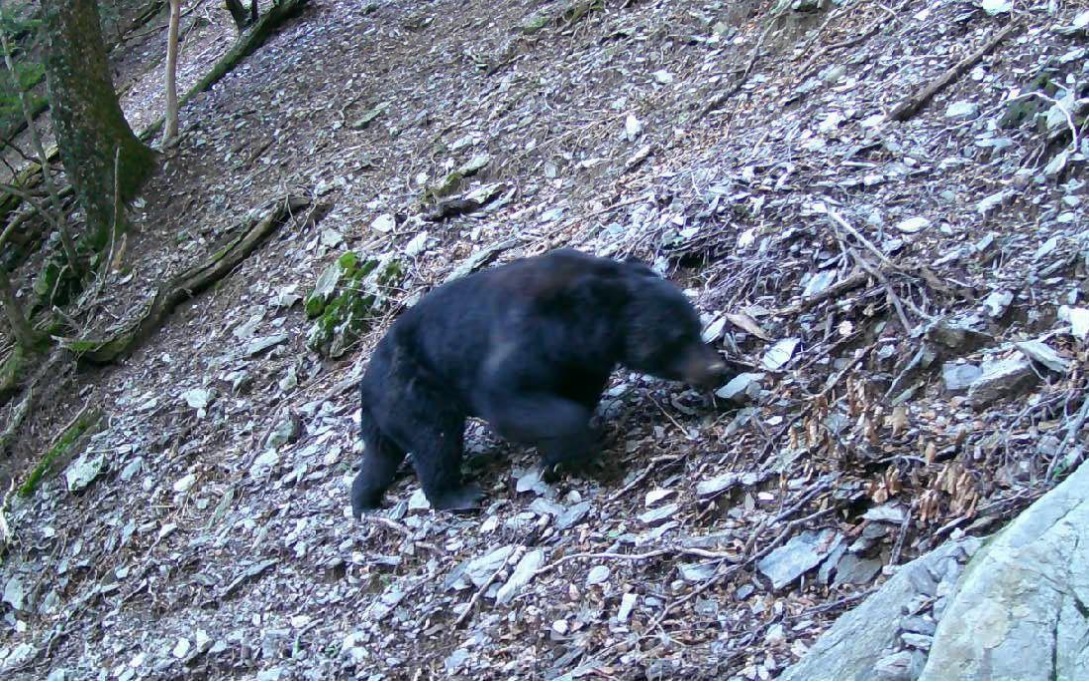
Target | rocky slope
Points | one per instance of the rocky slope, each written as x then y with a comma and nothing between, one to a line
880,210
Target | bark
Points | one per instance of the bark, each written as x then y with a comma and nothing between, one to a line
170,127
28,116
238,13
87,116
20,327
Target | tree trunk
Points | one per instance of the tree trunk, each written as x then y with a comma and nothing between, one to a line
20,328
170,126
47,176
87,116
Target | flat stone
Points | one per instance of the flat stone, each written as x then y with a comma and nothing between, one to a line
743,388
521,576
957,377
802,552
1045,355
958,337
855,570
1002,379
659,515
962,109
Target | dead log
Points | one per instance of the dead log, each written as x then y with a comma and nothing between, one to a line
906,109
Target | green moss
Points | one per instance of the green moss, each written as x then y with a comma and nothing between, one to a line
346,309
47,279
63,445
535,23
83,346
348,260
579,9
448,186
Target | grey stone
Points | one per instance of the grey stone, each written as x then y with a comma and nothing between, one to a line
919,624
1045,355
1002,379
696,573
998,302
801,553
597,575
958,337
917,641
659,515
962,109
856,647
896,666
744,387
627,603
854,570
1018,612
958,377
718,484
82,472
521,576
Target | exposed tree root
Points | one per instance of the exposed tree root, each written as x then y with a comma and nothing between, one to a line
188,284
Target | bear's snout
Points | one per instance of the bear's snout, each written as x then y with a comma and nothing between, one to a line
703,367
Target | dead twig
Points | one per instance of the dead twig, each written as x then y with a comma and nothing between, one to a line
852,281
869,31
898,546
1075,137
838,221
672,550
723,574
643,476
1069,439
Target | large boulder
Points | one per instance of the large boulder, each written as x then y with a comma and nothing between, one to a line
873,641
1021,610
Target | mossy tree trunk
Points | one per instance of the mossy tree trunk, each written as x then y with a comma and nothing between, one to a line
20,327
87,117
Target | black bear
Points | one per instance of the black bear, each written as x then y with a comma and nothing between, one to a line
528,347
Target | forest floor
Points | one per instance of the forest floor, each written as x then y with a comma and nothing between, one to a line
864,267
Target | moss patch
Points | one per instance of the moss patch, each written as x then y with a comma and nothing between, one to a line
348,296
63,446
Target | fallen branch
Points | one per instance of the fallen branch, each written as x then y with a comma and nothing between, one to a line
185,286
672,550
844,285
908,108
838,221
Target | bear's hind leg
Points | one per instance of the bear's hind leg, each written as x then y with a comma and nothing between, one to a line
434,433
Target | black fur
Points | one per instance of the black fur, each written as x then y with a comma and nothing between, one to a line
528,347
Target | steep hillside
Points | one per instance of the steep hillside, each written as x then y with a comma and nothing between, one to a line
903,268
